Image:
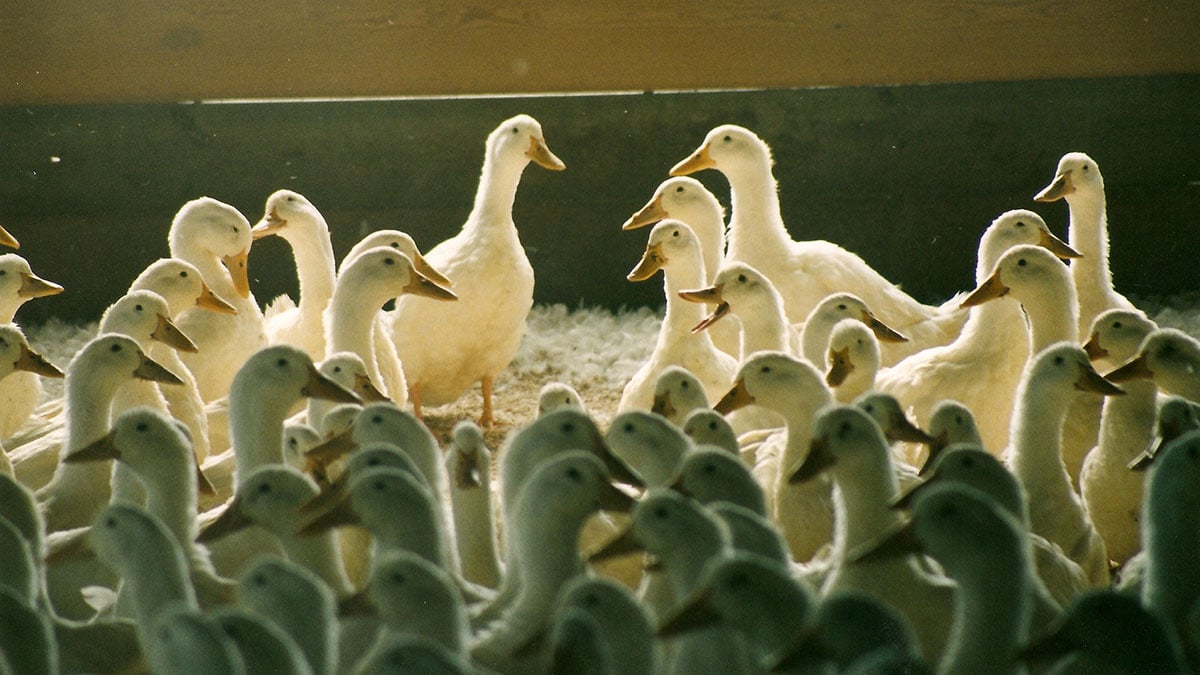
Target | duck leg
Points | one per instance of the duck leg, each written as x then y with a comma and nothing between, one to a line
486,419
414,397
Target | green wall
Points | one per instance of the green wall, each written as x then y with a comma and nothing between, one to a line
907,176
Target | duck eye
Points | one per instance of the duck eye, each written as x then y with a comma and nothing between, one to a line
683,385
3,273
389,261
870,407
679,189
712,426
568,428
841,308
629,427
675,233
337,369
742,278
183,274
291,199
398,578
574,474
264,488
516,131
958,419
765,369
738,580
377,419
1020,223
259,579
591,600
137,308
1116,324
110,522
661,512
395,245
727,138
115,348
1021,262
374,461
378,486
1086,168
140,426
282,362
1058,360
709,468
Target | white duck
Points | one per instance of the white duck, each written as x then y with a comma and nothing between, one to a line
180,284
469,463
1034,453
950,422
678,393
849,445
708,427
1169,357
852,360
27,644
1111,492
981,367
446,348
293,217
264,647
674,248
805,272
555,395
1077,180
833,309
75,494
348,370
623,624
184,640
980,547
1171,530
686,199
16,356
215,238
21,392
711,475
370,280
795,389
648,444
299,603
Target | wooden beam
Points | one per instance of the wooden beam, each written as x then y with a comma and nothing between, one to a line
138,51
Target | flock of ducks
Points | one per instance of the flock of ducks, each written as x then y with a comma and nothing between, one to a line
812,472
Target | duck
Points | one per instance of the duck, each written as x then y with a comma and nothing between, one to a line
850,627
297,601
1170,535
415,654
1034,453
852,360
270,497
348,370
818,326
182,287
21,393
560,495
710,475
796,390
469,461
401,242
807,271
674,249
1111,492
686,199
678,393
706,426
75,494
950,423
850,446
446,348
293,218
648,444
6,239
1170,358
683,537
981,367
622,623
757,597
980,547
28,644
16,356
215,238
753,533
555,395
370,280
264,647
1077,180
1058,579
185,640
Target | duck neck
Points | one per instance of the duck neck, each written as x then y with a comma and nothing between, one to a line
156,577
765,328
322,556
684,564
88,407
862,500
798,421
755,224
1127,422
183,245
350,325
1053,317
682,315
1171,534
313,253
496,193
1088,234
1035,454
991,619
255,427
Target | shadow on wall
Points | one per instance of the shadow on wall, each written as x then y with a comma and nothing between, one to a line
907,177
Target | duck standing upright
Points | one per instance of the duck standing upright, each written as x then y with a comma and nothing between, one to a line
447,347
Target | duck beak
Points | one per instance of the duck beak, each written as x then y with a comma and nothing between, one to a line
619,471
710,295
422,266
326,499
209,300
1094,351
651,262
901,541
203,485
937,446
6,239
153,371
236,264
321,387
540,153
466,473
1090,380
840,367
818,461
33,286
1057,246
614,499
33,362
734,399
96,451
648,215
423,287
883,332
623,544
662,405
902,429
989,290
697,614
1137,369
700,159
718,313
366,389
333,448
357,605
1059,188
270,224
75,548
905,501
167,333
232,519
342,513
